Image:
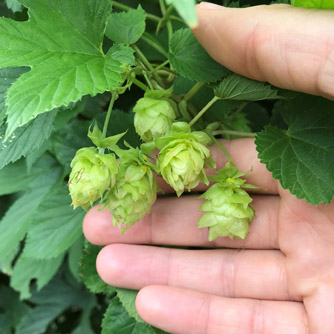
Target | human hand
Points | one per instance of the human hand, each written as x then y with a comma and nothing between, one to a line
282,281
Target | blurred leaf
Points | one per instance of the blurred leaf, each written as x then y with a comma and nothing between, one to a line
190,59
15,309
14,5
15,177
56,226
26,139
186,9
51,301
126,27
17,220
26,269
74,256
88,273
318,4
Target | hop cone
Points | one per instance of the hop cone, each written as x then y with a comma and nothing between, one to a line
92,174
153,118
133,196
183,158
227,205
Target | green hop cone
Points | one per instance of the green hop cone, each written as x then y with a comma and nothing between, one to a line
183,157
153,118
133,196
228,210
91,176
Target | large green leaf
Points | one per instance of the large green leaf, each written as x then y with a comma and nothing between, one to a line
236,87
319,4
126,27
26,139
191,61
117,320
186,9
7,77
62,43
302,156
27,269
56,226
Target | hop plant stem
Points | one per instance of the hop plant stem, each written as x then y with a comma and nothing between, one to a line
193,91
114,96
202,112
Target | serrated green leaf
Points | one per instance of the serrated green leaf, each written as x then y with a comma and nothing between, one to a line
126,27
186,9
7,77
236,87
319,4
122,53
191,61
14,5
117,320
62,43
56,226
88,272
26,139
27,269
6,264
300,157
17,220
127,298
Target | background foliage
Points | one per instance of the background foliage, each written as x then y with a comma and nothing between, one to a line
57,65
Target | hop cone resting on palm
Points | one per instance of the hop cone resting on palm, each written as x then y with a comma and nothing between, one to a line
228,212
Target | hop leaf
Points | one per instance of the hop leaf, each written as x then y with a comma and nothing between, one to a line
153,118
92,175
228,210
183,157
133,196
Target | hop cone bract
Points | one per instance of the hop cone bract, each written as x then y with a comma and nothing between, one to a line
133,195
92,174
153,118
227,205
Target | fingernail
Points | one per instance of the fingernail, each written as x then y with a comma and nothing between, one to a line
209,5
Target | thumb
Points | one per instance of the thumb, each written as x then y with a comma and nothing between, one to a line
289,47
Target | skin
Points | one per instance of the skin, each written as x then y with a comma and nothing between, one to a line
280,279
